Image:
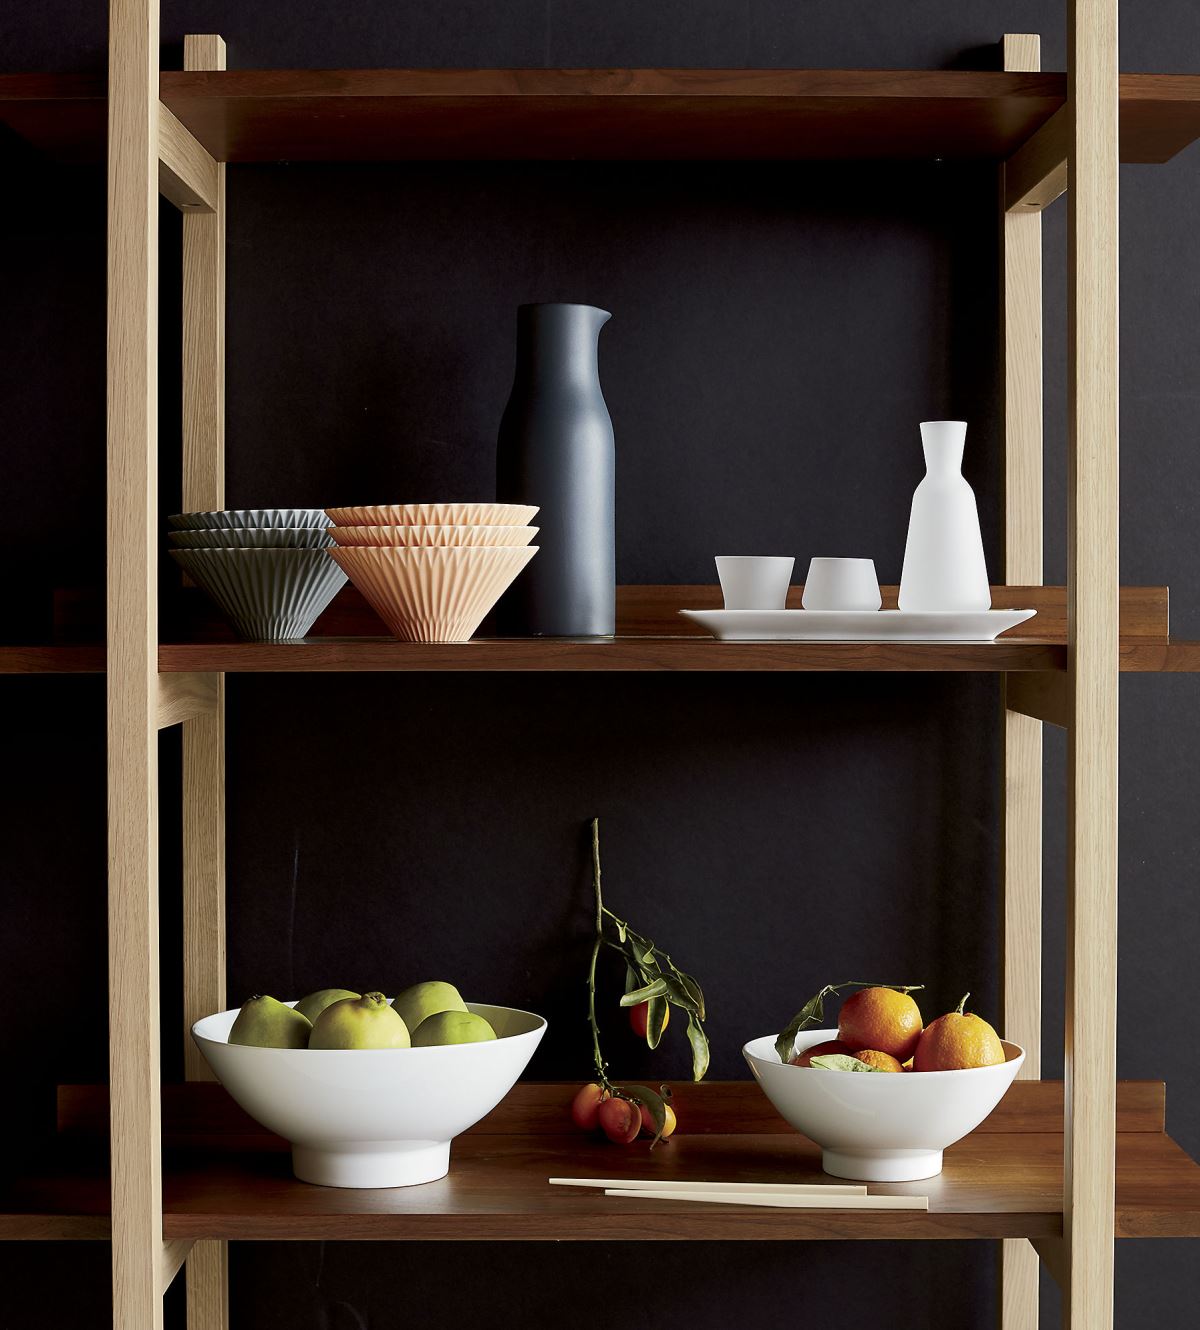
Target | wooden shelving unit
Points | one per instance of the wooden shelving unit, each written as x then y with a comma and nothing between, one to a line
1057,1172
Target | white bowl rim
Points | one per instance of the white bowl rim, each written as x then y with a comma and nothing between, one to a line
1014,1053
538,1029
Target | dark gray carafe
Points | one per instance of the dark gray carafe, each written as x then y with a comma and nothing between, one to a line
556,450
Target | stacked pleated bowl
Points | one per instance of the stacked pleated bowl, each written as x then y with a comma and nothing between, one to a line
267,570
432,571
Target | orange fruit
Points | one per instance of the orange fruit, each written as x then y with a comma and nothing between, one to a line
882,1019
620,1120
880,1061
585,1107
639,1019
957,1041
817,1050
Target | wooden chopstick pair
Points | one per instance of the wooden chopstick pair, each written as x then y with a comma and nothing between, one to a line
779,1195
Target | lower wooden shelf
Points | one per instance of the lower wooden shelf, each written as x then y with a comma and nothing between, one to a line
225,1178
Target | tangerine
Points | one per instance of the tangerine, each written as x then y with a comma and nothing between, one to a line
880,1019
879,1061
958,1041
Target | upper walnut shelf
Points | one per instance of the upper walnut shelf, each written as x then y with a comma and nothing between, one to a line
649,114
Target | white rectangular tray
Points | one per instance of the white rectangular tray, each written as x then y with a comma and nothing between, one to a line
857,625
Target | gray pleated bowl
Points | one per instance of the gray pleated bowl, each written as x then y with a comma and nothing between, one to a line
269,595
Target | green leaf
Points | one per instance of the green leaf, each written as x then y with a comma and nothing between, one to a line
811,1013
654,1106
656,1018
631,979
699,1042
622,929
656,989
694,991
841,1062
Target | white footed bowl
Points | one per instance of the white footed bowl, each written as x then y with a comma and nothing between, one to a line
372,1117
881,1127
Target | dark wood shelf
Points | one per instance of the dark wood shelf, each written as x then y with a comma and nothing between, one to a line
652,637
605,114
619,654
225,1178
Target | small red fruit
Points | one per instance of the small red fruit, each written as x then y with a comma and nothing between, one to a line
639,1019
620,1120
585,1107
668,1126
818,1050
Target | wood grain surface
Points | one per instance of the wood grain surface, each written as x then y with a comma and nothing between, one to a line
1004,1180
396,115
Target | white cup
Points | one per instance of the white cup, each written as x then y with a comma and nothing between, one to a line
753,582
841,584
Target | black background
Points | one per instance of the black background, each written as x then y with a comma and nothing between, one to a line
778,331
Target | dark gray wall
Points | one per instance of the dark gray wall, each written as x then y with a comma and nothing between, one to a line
777,333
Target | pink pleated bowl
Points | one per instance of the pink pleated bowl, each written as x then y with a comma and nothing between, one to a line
434,514
433,535
432,593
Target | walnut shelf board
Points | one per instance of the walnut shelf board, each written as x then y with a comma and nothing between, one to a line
1004,1180
649,114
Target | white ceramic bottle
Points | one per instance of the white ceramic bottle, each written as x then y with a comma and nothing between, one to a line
944,567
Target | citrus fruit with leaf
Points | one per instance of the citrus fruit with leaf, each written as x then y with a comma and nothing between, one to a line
878,1061
669,1124
958,1041
880,1018
818,1050
639,1019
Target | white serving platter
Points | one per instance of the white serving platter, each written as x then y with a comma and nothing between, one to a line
857,625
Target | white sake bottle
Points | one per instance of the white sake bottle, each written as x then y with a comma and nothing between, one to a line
944,567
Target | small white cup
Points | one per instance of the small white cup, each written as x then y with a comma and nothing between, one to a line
841,584
754,582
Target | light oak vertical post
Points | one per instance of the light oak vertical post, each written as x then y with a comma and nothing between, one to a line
207,1271
1092,653
132,635
1023,519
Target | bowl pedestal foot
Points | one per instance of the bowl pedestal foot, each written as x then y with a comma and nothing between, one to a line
372,1164
882,1165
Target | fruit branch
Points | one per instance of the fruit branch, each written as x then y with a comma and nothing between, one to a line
651,978
598,1057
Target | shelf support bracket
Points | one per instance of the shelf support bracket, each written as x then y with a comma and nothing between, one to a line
1036,174
1053,1255
171,1259
187,175
1041,695
183,697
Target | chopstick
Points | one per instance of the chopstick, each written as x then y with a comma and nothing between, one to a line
671,1185
779,1201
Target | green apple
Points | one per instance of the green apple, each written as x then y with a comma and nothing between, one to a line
315,1003
421,1001
365,1022
452,1027
264,1022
